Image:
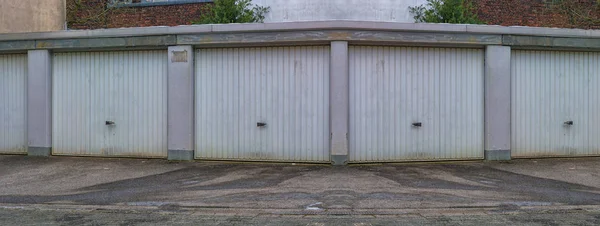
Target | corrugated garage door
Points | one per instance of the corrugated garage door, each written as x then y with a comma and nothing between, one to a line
110,104
555,103
265,104
13,103
415,103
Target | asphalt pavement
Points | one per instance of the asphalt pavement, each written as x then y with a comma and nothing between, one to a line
88,191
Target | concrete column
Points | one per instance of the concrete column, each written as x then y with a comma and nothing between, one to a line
497,103
39,103
339,102
181,103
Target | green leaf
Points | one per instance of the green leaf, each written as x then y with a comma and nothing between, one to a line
445,11
234,11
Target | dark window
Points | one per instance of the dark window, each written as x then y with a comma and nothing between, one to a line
132,3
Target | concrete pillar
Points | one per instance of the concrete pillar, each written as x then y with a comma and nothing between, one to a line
497,103
181,103
339,102
39,103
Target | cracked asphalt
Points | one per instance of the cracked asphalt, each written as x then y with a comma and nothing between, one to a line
217,193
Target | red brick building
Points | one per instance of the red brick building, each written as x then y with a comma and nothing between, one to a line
540,13
94,14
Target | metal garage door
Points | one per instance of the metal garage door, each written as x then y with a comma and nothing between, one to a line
415,103
110,104
13,92
265,104
555,103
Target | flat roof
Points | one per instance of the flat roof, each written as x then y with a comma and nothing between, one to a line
298,26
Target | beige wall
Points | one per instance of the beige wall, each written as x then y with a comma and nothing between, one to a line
32,15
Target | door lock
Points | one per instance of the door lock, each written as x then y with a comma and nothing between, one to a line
110,123
417,124
261,124
568,123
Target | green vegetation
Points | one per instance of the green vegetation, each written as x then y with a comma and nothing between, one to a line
234,11
446,11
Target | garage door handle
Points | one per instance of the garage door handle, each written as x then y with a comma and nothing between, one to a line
417,124
109,123
569,123
261,124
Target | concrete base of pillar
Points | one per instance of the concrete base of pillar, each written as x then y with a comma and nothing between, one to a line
339,160
180,155
39,152
497,155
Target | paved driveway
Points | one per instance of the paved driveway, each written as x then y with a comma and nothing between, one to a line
291,190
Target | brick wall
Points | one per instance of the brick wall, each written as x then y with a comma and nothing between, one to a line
93,14
534,13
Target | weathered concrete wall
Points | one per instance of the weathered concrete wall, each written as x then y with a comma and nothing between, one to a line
180,129
497,103
31,15
39,102
316,10
318,32
339,105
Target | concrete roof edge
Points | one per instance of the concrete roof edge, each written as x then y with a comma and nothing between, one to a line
304,25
